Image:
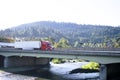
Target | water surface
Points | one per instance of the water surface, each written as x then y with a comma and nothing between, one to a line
55,72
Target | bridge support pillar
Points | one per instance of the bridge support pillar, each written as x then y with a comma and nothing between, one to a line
110,71
42,61
5,62
1,61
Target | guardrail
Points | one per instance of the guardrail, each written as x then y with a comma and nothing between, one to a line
68,51
88,48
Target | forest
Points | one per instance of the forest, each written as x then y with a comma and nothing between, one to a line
63,34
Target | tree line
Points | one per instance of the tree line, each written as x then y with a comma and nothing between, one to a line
67,34
64,43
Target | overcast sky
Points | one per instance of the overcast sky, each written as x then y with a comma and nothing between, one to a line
100,12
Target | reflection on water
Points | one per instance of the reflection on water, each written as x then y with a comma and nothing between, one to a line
61,72
64,69
55,72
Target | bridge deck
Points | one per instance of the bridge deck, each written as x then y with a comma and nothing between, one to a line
103,57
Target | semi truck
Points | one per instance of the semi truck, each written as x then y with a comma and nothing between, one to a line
28,45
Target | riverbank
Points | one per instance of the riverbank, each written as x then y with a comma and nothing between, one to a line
10,76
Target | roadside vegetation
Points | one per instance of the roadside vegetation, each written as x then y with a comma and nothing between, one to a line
59,60
5,39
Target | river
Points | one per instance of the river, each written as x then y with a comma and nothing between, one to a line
55,72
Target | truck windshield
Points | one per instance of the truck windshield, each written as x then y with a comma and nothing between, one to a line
48,44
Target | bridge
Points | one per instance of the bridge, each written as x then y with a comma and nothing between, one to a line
102,57
109,59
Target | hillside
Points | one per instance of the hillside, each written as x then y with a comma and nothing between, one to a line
70,31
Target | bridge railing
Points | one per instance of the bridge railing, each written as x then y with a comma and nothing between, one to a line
88,48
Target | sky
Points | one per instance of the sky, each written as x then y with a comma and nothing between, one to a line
95,12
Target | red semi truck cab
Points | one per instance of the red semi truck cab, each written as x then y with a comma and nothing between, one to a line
45,45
